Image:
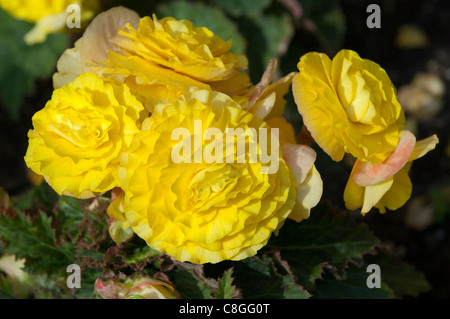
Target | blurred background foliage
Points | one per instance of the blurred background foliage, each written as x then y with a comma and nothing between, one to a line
412,45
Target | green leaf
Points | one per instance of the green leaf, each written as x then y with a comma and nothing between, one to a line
352,286
268,36
34,239
329,19
6,288
226,290
38,197
21,63
271,273
202,15
190,284
246,7
141,254
400,276
70,214
84,222
327,239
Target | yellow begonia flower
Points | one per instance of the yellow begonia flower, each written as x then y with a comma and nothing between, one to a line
32,10
201,212
163,59
158,59
48,16
349,105
80,134
391,193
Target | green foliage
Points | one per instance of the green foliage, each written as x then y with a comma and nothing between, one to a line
267,277
402,278
268,36
329,20
327,239
353,286
21,63
225,290
324,256
247,7
32,238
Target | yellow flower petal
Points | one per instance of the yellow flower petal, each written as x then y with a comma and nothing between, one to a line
393,192
422,147
373,194
309,194
285,129
399,192
348,105
353,195
80,134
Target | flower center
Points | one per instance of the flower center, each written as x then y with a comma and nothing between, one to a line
210,186
81,130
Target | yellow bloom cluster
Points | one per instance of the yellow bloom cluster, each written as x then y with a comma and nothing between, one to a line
80,134
349,105
200,212
158,59
120,94
49,16
130,83
33,11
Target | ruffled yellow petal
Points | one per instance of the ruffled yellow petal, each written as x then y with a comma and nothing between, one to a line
348,105
309,194
80,134
201,211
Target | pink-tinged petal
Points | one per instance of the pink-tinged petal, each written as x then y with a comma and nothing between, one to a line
98,35
300,158
309,194
368,174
